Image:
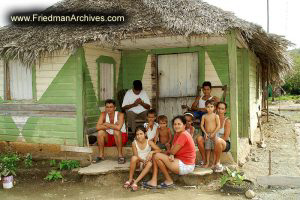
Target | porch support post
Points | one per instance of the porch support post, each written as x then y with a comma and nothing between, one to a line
232,54
79,56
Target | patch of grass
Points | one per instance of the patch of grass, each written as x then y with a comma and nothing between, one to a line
28,160
69,164
52,163
285,98
53,175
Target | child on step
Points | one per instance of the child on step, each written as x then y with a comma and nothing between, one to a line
210,125
142,157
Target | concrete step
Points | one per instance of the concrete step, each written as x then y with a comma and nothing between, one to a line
107,170
52,151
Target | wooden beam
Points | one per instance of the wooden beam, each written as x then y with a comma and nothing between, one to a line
79,59
293,181
232,54
76,149
38,107
246,111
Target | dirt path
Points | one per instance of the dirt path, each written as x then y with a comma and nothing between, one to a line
280,139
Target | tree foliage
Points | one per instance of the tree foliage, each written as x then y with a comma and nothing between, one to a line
292,79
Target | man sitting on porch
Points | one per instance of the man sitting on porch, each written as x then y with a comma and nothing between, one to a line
136,103
111,131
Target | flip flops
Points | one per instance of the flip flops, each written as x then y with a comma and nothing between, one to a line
146,185
163,185
97,160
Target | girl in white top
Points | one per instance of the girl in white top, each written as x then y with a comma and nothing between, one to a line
142,156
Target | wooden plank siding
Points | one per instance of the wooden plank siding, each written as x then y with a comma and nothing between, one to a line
92,53
45,121
91,105
254,100
178,80
46,70
147,79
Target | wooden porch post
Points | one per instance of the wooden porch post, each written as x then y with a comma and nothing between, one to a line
79,56
232,54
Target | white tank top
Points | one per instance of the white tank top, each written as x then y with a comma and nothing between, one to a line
107,120
143,153
222,130
202,102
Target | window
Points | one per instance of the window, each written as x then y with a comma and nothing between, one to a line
18,81
106,81
106,78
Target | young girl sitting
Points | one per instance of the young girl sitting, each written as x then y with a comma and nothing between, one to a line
142,156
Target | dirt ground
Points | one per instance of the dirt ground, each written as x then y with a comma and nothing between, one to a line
280,139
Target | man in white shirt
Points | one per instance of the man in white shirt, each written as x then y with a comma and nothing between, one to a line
136,103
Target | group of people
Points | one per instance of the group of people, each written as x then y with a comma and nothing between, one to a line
154,146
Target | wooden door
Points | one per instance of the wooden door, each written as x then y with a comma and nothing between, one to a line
178,80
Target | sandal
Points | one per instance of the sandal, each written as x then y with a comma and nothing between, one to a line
134,187
128,184
163,185
121,160
97,160
218,168
148,186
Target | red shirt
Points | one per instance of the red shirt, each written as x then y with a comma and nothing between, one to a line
186,153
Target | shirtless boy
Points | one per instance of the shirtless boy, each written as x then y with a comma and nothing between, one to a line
210,125
163,134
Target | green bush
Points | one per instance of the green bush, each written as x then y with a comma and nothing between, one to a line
53,175
69,164
292,78
233,177
8,164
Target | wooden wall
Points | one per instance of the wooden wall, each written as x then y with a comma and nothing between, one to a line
51,117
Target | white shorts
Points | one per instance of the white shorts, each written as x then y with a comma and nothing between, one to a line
185,169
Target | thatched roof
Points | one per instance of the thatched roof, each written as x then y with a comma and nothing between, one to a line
172,17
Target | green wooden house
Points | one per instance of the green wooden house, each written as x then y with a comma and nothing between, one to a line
54,79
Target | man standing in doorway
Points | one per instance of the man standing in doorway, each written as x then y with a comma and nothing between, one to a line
136,103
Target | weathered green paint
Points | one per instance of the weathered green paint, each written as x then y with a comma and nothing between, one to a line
246,107
56,130
91,105
201,68
232,54
133,63
240,71
65,81
219,57
8,127
108,60
34,83
80,61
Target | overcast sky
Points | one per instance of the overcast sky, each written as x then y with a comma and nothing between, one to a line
284,14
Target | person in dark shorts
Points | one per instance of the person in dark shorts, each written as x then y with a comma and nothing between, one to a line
223,140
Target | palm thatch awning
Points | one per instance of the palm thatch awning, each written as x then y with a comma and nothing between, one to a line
172,17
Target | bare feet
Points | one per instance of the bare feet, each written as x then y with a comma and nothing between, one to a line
206,165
